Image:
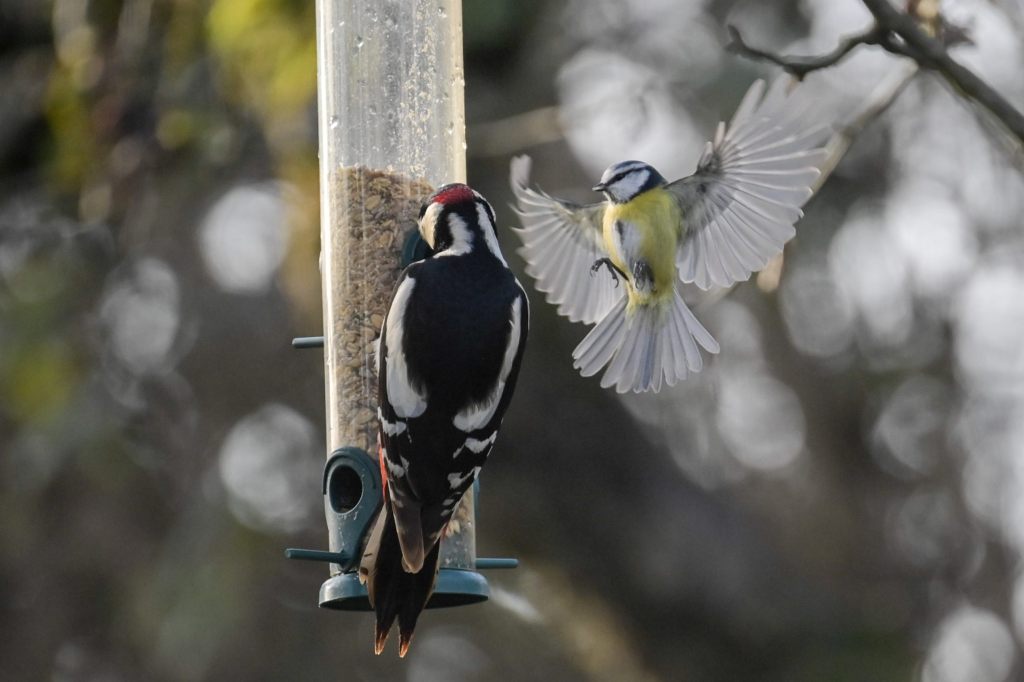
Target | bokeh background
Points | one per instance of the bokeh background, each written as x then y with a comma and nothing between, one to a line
838,496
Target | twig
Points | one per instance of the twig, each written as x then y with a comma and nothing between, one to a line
900,34
514,133
800,66
931,54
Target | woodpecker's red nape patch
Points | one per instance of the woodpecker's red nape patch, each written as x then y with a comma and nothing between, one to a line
455,193
383,471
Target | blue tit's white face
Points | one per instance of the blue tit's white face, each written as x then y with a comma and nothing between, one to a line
623,181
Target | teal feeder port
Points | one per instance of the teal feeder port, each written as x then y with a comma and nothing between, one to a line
353,494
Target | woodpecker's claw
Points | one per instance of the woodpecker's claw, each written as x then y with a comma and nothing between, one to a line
607,262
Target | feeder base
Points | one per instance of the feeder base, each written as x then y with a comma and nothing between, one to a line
454,587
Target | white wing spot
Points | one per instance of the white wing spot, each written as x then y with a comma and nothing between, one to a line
475,445
390,428
478,446
396,470
456,480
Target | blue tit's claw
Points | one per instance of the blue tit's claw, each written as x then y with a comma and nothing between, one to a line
612,270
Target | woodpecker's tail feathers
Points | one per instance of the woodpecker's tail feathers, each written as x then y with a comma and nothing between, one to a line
419,587
644,345
393,592
409,526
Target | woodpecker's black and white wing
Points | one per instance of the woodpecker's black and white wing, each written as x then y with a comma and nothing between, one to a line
447,374
561,241
740,205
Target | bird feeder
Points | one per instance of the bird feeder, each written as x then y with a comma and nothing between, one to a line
392,128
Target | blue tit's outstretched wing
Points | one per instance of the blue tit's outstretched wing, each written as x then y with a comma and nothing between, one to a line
561,241
740,205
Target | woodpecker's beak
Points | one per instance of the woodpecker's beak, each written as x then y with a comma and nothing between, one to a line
599,187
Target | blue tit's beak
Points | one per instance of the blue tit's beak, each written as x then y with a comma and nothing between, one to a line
599,187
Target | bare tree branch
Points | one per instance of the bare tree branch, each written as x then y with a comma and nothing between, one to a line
900,34
931,54
800,66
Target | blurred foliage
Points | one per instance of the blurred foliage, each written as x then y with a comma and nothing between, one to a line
268,52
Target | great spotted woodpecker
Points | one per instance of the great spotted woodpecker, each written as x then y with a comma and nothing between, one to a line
448,359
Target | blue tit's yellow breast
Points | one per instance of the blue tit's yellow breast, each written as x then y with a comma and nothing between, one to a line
656,218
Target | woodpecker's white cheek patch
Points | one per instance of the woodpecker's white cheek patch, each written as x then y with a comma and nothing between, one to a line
406,401
428,223
478,416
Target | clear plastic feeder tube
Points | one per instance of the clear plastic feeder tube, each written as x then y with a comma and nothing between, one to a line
392,128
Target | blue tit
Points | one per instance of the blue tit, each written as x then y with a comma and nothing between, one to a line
618,264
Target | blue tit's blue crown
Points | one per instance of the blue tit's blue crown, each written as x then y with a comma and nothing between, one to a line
624,180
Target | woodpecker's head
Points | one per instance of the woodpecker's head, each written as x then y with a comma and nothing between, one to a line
626,180
456,219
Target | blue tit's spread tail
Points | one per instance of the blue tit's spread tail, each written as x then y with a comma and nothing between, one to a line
393,592
644,345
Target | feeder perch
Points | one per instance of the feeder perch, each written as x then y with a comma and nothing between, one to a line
352,493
